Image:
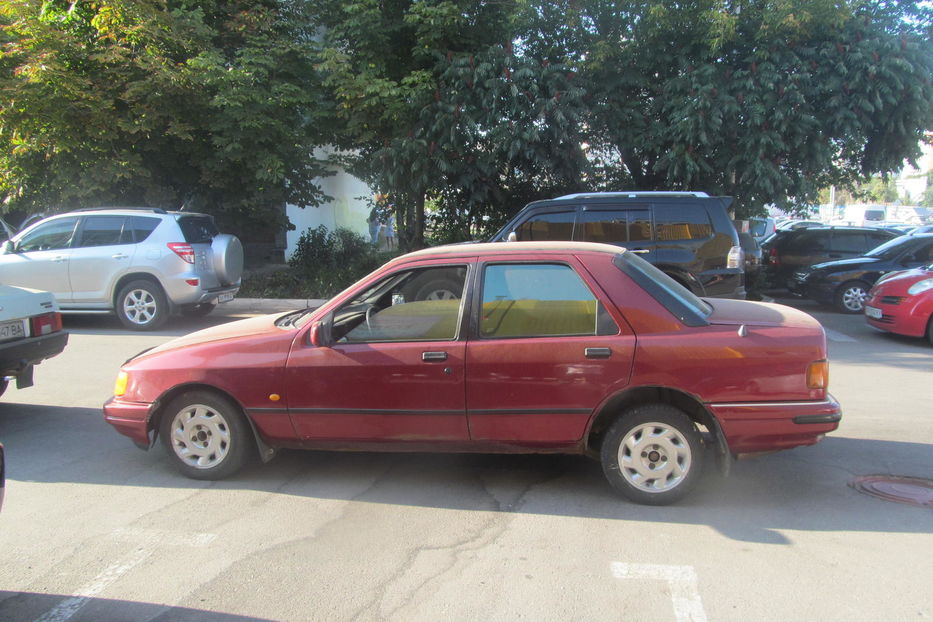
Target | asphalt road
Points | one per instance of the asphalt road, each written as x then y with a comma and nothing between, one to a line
94,529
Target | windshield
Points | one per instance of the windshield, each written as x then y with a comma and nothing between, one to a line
889,249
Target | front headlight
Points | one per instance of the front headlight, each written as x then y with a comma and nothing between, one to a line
920,286
119,387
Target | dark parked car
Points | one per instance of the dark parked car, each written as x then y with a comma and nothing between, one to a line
688,235
552,347
845,283
788,252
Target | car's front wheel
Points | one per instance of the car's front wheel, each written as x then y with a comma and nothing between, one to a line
851,296
652,454
141,305
206,435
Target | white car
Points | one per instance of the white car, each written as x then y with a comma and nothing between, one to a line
30,332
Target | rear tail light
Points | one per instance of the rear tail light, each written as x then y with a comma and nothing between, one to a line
773,258
818,375
183,250
736,258
45,324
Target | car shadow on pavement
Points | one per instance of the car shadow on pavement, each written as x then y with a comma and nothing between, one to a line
32,606
804,489
176,326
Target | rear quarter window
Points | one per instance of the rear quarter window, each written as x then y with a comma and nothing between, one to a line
198,229
142,226
682,222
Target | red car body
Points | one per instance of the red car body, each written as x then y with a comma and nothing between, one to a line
742,373
892,307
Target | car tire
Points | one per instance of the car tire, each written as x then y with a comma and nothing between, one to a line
440,289
3,385
142,305
206,435
851,296
929,334
652,454
200,310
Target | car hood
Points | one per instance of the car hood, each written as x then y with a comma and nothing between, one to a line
250,327
843,264
907,277
738,312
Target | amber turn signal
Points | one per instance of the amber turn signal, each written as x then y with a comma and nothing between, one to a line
119,387
818,375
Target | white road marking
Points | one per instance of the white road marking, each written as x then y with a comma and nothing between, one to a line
833,335
685,596
149,539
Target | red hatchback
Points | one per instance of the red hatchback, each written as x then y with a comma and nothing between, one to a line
535,347
902,303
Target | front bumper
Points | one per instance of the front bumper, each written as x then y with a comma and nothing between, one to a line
130,419
754,427
902,315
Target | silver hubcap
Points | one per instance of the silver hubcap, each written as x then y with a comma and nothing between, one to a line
854,298
654,457
200,436
139,306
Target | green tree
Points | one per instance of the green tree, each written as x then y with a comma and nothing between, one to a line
161,102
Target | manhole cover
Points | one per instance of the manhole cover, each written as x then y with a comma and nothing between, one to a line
909,490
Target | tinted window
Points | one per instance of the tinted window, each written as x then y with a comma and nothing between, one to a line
876,237
923,255
49,236
104,231
544,227
383,313
808,242
615,226
198,229
539,300
142,226
687,222
849,241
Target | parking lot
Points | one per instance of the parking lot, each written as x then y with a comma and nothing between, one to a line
92,528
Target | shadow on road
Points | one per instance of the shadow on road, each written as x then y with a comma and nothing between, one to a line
803,489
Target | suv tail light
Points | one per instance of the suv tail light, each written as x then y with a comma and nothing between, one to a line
736,258
45,324
183,250
774,258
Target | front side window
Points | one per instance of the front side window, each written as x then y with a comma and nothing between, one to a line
552,226
539,300
50,236
615,226
682,222
405,306
104,231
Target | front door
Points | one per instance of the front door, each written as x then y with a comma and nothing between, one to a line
41,258
395,368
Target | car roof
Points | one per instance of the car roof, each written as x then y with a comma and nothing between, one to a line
507,248
123,211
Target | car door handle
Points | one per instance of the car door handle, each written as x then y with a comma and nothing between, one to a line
597,353
433,356
120,256
60,259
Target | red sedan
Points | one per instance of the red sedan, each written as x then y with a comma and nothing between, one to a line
902,303
504,347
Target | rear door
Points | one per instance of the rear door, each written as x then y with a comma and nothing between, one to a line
543,354
198,231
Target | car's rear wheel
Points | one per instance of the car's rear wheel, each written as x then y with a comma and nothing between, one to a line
851,296
200,310
3,386
652,454
206,435
929,332
141,305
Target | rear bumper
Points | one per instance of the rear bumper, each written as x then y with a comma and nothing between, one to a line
753,427
17,357
130,419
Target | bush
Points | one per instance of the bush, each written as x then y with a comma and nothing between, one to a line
324,263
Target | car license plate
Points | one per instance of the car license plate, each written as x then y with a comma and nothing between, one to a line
225,297
872,312
12,330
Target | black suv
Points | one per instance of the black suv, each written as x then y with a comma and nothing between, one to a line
688,235
787,252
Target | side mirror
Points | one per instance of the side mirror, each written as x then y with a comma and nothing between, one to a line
513,237
8,247
320,333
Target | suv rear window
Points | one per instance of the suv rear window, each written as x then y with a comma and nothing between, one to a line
198,229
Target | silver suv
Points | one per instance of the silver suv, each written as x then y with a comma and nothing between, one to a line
142,264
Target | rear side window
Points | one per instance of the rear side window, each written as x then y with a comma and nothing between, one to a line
687,222
850,241
547,227
142,226
615,226
539,300
104,231
198,229
808,241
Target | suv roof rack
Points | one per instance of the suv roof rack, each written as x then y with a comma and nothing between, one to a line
633,194
155,210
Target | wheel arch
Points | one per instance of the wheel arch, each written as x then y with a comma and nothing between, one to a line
690,405
134,276
266,452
